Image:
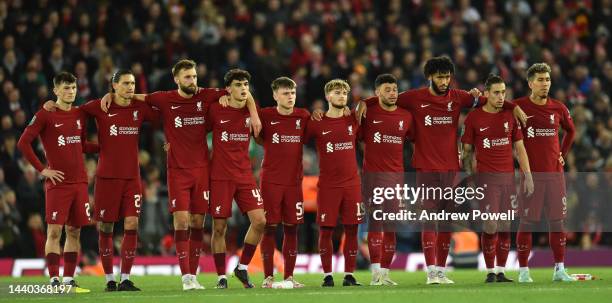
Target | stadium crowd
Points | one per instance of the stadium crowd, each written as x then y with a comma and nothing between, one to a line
312,42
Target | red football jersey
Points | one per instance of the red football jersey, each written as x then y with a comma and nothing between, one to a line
231,139
436,120
184,125
541,135
283,138
118,132
383,134
492,135
63,137
335,139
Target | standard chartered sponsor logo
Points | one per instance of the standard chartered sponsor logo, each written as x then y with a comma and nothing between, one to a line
123,130
178,122
540,132
224,136
276,138
331,147
429,120
113,130
377,137
486,143
62,141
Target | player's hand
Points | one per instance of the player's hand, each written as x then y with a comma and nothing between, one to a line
561,160
255,125
360,111
106,102
317,114
49,106
347,111
475,92
520,116
528,185
166,147
55,176
224,101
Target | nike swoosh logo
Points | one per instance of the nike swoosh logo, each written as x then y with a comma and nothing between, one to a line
529,117
483,129
224,121
174,107
58,125
274,122
376,122
425,105
259,203
112,115
327,132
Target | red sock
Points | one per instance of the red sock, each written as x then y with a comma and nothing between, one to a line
53,261
350,247
195,248
106,249
220,263
503,248
128,250
326,248
375,240
557,244
247,253
523,247
488,244
289,248
428,241
70,262
268,243
182,248
442,247
389,242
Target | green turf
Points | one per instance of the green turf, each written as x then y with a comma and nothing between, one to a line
469,287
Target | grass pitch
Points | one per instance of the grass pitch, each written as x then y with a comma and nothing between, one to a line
469,287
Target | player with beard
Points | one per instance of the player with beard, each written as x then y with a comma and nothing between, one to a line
383,132
183,112
339,192
545,117
62,134
436,111
491,131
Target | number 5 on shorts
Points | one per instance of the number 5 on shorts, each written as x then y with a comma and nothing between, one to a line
137,199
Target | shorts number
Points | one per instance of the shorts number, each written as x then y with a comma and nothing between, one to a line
87,211
137,199
360,209
513,202
206,195
299,209
256,194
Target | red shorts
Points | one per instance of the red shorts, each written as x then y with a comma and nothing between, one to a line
117,198
283,203
247,197
498,198
188,190
67,204
373,185
436,180
339,201
548,197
